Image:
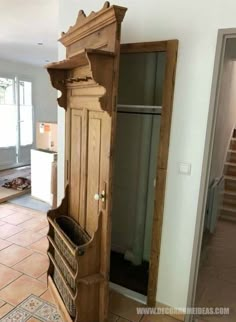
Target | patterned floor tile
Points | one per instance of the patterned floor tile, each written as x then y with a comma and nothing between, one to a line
48,313
16,315
31,304
33,309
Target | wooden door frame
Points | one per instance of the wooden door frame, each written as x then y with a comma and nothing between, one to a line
170,47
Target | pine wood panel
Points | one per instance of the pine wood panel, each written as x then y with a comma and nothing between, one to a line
144,47
163,152
94,169
76,165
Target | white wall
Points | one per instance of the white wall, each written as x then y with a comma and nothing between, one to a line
226,118
44,96
195,24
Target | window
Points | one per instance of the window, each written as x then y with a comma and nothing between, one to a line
8,113
16,112
6,91
26,113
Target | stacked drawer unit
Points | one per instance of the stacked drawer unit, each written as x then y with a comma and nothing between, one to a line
67,243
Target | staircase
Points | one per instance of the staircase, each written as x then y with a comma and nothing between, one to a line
228,209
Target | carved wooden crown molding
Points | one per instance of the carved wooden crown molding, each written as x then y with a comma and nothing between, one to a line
86,25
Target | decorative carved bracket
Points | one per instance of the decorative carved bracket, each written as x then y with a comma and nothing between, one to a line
61,80
57,77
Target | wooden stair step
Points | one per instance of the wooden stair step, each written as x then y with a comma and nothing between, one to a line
232,164
230,182
232,151
228,218
230,168
228,211
229,202
230,178
233,144
229,192
234,133
229,198
231,155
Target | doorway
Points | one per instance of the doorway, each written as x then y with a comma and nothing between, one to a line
144,109
16,125
214,261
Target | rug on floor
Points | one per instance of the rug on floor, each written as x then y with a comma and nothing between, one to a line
8,175
29,202
33,307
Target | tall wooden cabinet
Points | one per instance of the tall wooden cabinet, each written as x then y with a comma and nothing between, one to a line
79,233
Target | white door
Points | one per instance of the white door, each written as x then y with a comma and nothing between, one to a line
16,122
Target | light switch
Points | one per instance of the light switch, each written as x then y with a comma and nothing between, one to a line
185,168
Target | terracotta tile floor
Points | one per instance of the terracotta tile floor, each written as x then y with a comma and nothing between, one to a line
23,265
217,275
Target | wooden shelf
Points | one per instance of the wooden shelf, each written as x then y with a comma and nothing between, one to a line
142,109
79,59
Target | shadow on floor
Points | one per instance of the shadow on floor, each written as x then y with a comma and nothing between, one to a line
30,202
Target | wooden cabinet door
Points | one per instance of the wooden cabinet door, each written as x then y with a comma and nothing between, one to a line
90,163
89,188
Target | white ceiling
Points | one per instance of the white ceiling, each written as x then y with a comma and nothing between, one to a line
24,24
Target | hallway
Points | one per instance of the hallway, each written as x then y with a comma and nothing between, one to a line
217,275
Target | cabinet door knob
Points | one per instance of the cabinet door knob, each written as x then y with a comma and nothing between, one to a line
100,196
